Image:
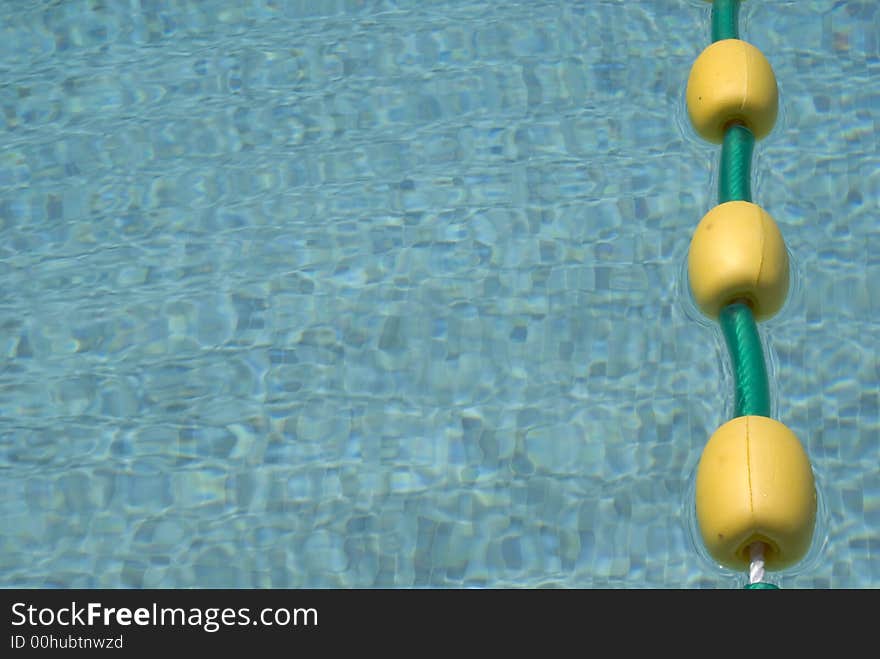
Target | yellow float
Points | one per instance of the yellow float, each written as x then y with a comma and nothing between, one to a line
737,253
755,484
731,82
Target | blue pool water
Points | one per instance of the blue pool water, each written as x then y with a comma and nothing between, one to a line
376,293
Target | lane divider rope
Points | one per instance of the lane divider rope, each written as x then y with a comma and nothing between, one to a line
755,492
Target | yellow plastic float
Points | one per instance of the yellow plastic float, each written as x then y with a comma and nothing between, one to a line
731,82
755,484
737,253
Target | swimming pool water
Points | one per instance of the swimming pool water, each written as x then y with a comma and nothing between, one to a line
390,293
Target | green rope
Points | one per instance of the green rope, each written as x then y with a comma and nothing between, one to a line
737,321
736,158
747,360
725,19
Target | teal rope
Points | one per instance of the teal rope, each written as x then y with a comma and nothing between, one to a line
736,157
747,359
734,184
725,17
737,321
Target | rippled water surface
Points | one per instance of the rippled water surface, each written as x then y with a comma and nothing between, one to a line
390,293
